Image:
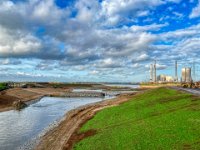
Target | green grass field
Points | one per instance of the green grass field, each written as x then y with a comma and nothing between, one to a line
161,119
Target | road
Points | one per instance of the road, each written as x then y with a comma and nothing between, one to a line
192,91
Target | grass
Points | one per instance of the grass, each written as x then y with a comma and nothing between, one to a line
3,86
158,119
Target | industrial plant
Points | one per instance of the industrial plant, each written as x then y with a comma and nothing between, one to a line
186,75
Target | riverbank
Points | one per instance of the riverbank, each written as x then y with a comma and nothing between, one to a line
8,97
62,137
160,118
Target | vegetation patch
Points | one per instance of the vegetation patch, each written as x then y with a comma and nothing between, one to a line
18,105
157,119
3,86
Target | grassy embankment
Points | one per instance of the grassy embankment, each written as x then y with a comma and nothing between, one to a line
158,119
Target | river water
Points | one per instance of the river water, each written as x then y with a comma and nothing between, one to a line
20,129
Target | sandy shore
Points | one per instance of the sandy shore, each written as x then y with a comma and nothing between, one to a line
66,133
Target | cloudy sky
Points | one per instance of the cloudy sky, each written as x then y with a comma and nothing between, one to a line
96,40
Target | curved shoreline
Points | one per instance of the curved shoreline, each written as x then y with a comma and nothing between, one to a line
28,102
26,95
64,135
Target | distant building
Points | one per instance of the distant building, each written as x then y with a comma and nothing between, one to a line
153,72
169,79
186,75
176,71
161,78
16,84
165,78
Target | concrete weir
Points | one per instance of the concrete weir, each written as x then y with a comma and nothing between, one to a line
84,94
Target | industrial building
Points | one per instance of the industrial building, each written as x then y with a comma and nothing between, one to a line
186,75
176,72
161,78
165,78
153,77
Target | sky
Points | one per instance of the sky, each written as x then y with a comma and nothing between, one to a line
96,40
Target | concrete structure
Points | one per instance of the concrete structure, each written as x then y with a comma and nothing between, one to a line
165,78
194,72
151,73
186,75
155,79
176,72
161,78
169,79
83,94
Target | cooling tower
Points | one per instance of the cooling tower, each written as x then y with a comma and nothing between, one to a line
186,75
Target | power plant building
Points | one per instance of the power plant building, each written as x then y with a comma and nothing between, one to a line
165,78
176,72
186,75
153,77
151,73
169,79
161,78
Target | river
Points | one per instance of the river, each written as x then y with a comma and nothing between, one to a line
22,129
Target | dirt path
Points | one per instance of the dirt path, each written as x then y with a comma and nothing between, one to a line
65,135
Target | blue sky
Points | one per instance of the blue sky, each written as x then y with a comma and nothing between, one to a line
96,40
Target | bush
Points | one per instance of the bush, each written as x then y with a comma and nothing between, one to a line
18,105
3,86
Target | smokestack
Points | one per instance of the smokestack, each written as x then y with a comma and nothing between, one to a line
176,74
194,72
155,71
185,75
151,72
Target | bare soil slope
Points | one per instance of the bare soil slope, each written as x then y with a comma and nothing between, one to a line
7,97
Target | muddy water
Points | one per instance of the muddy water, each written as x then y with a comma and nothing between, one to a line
20,129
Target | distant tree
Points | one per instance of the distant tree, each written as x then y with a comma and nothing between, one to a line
3,86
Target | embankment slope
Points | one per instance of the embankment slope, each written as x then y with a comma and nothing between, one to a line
62,137
157,119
